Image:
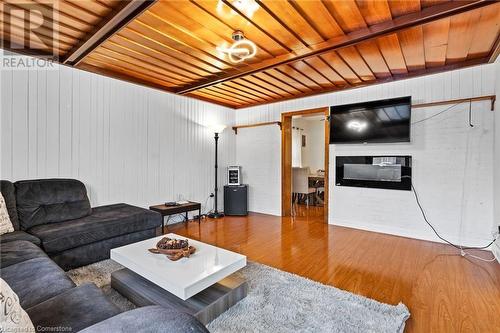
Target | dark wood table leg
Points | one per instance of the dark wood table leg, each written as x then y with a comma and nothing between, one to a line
199,216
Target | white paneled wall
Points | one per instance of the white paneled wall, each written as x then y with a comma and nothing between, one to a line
133,144
457,196
127,143
260,156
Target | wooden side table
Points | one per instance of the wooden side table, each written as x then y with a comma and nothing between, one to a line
172,210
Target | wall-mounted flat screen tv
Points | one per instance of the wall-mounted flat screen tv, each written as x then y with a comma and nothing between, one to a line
383,121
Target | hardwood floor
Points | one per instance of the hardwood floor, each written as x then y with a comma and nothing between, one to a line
444,292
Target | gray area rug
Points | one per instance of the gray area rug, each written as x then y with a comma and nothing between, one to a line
279,302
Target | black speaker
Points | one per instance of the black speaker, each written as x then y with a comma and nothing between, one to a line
236,200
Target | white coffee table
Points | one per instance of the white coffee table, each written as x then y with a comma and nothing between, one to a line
201,284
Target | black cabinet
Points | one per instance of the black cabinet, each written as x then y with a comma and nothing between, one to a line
236,200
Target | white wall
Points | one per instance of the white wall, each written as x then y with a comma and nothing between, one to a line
438,147
260,157
133,144
127,143
313,154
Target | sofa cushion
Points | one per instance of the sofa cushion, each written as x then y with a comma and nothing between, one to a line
13,318
36,280
149,319
9,194
104,222
14,252
5,224
97,251
19,235
50,200
75,309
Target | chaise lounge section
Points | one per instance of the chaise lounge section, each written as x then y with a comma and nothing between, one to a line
54,303
56,214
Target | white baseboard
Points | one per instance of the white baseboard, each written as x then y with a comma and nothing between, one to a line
416,234
267,212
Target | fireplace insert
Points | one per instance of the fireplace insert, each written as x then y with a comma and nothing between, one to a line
385,172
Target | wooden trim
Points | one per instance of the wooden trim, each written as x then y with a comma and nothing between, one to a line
495,51
286,165
429,71
305,112
327,165
492,98
114,22
235,128
424,16
286,158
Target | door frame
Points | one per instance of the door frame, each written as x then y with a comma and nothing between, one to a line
286,158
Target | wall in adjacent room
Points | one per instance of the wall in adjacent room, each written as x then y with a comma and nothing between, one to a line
127,143
453,163
314,151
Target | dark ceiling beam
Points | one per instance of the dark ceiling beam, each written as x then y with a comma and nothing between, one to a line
427,15
119,17
495,51
123,77
409,75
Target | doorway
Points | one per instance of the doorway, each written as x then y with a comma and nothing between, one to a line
289,166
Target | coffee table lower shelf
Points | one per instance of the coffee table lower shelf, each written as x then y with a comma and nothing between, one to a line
206,305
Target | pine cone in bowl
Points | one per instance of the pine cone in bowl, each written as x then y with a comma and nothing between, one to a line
172,244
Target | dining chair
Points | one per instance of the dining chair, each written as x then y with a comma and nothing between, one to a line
300,184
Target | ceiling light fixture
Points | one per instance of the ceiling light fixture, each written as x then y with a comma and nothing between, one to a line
241,49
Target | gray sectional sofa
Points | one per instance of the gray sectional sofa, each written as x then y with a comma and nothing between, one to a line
56,214
56,229
54,303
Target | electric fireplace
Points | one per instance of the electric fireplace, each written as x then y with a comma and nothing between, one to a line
385,172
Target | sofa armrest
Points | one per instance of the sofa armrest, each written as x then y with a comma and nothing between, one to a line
149,319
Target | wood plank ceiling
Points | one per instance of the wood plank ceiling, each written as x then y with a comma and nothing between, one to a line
304,47
64,24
